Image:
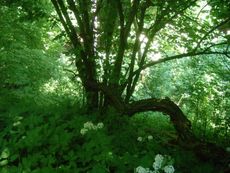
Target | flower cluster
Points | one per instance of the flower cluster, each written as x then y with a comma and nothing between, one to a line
140,169
169,169
90,126
159,165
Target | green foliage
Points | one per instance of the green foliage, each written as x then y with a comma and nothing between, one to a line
201,90
58,145
32,78
221,10
42,128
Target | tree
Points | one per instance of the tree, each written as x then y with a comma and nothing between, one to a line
114,41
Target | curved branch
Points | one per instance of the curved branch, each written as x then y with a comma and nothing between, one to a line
203,150
190,54
211,31
166,106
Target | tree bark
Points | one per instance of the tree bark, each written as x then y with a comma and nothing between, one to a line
91,100
166,106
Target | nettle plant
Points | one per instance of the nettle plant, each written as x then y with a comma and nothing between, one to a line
161,164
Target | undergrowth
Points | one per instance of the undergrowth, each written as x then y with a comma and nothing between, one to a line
61,141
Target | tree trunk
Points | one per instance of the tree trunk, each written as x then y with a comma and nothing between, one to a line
91,101
166,106
204,150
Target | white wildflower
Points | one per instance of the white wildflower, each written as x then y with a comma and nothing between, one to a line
88,125
150,137
139,139
169,169
94,127
228,149
140,169
83,131
17,123
100,125
156,166
158,161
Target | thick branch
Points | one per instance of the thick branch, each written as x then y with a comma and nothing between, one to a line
74,38
166,106
124,32
108,34
72,6
136,48
88,28
190,54
64,18
59,12
85,66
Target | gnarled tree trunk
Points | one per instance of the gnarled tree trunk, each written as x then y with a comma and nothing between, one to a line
166,106
204,150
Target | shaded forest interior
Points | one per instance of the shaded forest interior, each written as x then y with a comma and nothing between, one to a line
97,86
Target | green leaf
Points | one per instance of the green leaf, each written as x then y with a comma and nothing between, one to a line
5,154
